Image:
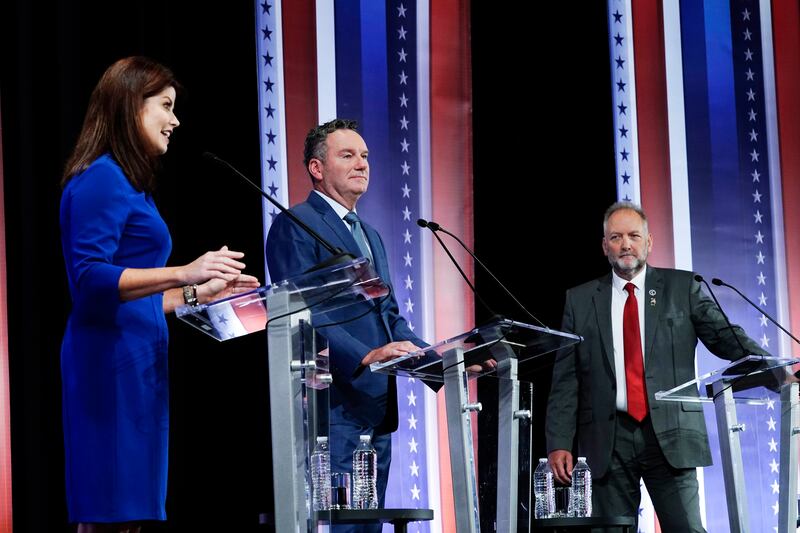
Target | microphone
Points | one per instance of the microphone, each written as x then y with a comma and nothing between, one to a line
434,227
430,225
338,255
718,282
700,279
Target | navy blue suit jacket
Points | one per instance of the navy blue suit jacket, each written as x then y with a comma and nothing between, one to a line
369,398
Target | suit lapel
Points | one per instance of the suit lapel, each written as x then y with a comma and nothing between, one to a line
376,247
652,294
602,310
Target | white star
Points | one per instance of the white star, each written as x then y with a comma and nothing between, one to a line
404,78
412,445
758,216
759,237
762,299
404,145
412,400
403,100
403,123
415,492
401,33
763,320
406,191
406,237
771,427
745,15
760,258
412,422
406,167
775,508
406,213
757,197
409,282
407,259
752,115
753,135
764,341
762,279
775,487
751,95
401,11
747,34
414,467
411,327
770,404
409,306
748,55
402,53
753,156
756,176
773,445
749,75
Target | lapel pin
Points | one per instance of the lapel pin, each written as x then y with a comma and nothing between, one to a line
652,302
652,292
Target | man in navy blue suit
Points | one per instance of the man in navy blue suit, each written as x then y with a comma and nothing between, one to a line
362,403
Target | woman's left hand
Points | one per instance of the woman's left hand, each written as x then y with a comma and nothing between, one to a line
217,288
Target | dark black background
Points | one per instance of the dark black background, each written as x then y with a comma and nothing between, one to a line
543,174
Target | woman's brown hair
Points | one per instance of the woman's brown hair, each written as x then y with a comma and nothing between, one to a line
112,124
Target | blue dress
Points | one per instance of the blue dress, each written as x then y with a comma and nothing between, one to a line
114,353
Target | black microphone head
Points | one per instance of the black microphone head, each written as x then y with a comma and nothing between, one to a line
717,282
209,155
434,226
698,278
422,223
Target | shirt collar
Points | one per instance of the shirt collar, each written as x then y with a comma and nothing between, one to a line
336,206
638,280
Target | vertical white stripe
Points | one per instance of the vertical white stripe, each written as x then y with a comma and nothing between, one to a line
775,180
426,251
326,60
274,98
679,169
679,172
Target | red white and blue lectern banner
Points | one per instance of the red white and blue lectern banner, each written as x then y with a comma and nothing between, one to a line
402,70
707,135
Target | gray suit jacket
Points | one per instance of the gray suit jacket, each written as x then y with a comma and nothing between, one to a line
583,393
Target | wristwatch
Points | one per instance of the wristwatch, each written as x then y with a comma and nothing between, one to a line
190,294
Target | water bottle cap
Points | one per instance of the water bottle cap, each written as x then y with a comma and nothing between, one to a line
543,460
364,438
582,459
322,439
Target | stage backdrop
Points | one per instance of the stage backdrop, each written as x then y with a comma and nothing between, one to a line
706,127
402,70
5,409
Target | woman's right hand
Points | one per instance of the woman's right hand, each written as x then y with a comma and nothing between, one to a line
220,264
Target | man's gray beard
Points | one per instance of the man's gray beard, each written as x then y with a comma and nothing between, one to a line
635,269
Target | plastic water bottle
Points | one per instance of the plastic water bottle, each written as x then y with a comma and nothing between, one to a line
580,500
321,475
543,490
365,475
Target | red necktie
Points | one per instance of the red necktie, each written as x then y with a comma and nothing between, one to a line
634,361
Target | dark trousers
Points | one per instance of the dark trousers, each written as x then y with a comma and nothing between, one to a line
637,457
344,434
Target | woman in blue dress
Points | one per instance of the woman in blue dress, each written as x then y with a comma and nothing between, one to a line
114,353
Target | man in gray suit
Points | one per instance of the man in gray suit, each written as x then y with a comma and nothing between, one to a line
640,326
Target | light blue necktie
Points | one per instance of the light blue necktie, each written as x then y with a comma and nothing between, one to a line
358,234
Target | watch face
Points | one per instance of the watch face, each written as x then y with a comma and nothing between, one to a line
189,295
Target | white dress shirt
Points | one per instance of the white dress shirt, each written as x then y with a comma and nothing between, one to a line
618,297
